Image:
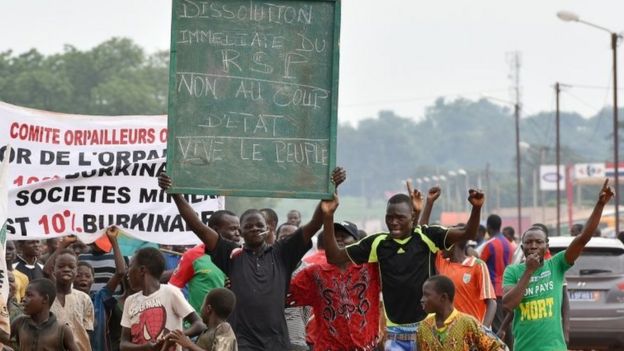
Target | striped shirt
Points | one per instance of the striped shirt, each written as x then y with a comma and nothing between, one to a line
472,284
104,267
497,254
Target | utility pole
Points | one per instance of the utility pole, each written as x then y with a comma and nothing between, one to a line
558,157
514,63
616,157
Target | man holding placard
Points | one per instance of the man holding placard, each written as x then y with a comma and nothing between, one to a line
259,273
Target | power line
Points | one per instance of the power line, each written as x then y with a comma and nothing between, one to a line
583,102
596,87
408,100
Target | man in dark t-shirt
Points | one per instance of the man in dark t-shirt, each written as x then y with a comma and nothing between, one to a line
259,273
405,255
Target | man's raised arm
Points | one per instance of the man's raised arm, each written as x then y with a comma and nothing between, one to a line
469,232
432,196
206,234
578,244
335,255
417,200
312,227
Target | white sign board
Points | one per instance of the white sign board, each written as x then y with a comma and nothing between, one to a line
549,177
80,174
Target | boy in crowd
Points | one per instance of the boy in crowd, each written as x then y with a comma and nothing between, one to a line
344,298
447,329
103,300
219,336
293,217
154,311
21,280
102,260
534,289
14,307
406,259
474,291
38,329
71,306
259,273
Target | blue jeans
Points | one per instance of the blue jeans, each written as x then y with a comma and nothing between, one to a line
402,338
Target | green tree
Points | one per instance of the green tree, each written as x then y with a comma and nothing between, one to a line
114,78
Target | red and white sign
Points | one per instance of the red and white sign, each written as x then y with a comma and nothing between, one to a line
80,174
589,170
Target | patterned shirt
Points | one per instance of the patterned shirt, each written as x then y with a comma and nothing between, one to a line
460,332
345,304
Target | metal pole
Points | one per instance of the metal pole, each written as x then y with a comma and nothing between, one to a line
557,155
616,159
488,189
467,185
518,175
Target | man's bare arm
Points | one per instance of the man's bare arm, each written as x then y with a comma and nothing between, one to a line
578,244
120,264
206,234
490,312
468,232
417,200
335,255
339,175
432,195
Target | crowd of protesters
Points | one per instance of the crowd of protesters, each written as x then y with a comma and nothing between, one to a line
253,284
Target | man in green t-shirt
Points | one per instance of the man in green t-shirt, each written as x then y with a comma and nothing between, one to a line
533,289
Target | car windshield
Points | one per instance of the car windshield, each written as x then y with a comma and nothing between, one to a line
598,261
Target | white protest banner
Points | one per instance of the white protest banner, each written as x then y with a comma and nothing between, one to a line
4,186
5,321
79,174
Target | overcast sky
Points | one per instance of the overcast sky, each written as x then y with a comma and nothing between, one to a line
395,54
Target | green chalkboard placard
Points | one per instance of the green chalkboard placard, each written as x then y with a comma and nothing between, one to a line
253,96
